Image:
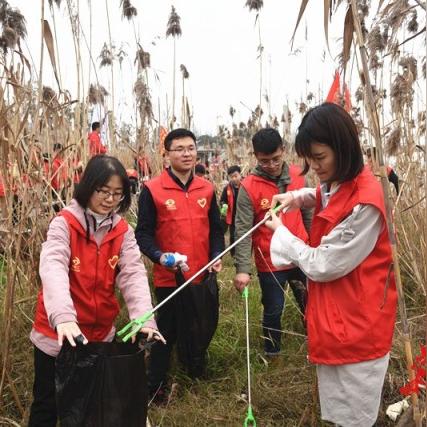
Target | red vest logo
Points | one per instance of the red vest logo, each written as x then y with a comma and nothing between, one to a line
113,261
75,265
170,204
265,204
202,202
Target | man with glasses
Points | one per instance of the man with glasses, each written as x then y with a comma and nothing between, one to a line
272,175
179,217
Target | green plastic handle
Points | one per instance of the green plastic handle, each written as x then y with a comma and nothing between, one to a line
134,326
277,208
250,419
245,292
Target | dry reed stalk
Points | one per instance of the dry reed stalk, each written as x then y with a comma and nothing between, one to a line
174,30
373,116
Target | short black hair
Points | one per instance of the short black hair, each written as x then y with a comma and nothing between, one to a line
97,173
371,152
199,168
331,125
232,169
178,134
267,141
96,125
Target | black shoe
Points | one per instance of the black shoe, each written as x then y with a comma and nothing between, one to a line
158,396
197,368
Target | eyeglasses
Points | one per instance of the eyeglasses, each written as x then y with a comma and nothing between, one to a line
182,150
104,194
275,161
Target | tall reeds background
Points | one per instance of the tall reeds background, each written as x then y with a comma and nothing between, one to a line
33,117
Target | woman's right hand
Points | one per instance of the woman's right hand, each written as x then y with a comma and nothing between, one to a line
284,199
69,330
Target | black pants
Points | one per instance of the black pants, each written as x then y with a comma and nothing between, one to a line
43,409
232,230
169,320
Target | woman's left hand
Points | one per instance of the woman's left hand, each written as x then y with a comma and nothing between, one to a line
274,222
151,334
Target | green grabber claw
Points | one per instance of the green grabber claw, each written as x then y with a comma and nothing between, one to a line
245,292
277,208
250,419
134,326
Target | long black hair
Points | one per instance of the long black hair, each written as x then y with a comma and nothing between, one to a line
97,173
331,125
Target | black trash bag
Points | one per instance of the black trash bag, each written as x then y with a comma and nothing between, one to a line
101,384
197,308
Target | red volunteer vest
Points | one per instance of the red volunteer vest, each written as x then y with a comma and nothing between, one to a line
261,191
230,203
351,319
59,173
182,223
92,274
95,144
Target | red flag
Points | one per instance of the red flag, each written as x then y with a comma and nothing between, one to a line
334,91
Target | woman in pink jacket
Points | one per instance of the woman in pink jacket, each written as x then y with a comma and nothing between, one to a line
89,249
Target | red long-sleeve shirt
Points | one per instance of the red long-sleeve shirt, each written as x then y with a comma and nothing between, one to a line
95,144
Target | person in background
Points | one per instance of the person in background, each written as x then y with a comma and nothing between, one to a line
142,165
351,289
200,170
94,138
59,180
179,219
89,250
133,179
228,201
271,176
371,155
3,203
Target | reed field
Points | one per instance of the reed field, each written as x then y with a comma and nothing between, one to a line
389,107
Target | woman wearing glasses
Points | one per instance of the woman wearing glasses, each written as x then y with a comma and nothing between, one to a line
89,249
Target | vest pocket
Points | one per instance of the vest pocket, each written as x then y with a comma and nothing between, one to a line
336,322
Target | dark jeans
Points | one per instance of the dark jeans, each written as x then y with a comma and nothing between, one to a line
43,409
273,300
232,230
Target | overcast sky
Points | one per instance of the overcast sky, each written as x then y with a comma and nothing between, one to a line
218,46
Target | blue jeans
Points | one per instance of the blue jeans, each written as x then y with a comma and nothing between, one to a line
273,300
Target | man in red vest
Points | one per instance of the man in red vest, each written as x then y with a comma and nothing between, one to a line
179,219
271,176
58,178
228,200
95,144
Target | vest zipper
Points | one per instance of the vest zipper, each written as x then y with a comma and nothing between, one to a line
94,289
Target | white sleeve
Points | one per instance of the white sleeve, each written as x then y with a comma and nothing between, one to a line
304,198
339,252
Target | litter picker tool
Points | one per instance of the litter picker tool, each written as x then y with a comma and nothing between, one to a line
133,327
250,419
